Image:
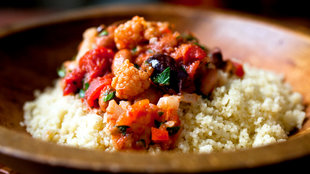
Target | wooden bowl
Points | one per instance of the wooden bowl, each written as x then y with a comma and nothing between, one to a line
31,52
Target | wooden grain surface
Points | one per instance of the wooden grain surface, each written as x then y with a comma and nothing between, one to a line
30,54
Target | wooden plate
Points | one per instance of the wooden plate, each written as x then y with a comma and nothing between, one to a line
31,52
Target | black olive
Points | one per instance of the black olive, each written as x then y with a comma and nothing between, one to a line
177,74
217,58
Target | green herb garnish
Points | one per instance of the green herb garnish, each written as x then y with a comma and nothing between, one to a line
187,37
182,67
134,50
163,78
157,123
160,113
82,93
201,46
173,130
104,33
136,66
123,129
108,96
61,72
141,142
86,85
150,51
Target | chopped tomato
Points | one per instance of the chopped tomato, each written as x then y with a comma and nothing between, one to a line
95,87
96,62
141,115
191,69
135,125
73,81
189,53
196,53
141,123
238,69
159,134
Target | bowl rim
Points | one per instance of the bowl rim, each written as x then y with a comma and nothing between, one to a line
19,145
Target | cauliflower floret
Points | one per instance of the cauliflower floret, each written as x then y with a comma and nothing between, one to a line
129,81
119,59
129,34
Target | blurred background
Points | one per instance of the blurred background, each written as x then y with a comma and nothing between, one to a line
294,14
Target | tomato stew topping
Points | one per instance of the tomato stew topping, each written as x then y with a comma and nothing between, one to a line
134,73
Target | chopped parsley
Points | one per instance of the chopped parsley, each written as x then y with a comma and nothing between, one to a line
61,72
123,129
109,96
160,113
150,51
134,50
173,130
157,123
187,37
136,66
104,33
183,68
86,85
190,38
163,78
201,46
82,91
141,142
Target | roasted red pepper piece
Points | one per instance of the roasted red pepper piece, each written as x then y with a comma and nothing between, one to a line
95,87
73,81
96,62
159,134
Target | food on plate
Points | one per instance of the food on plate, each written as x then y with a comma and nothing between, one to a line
141,85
